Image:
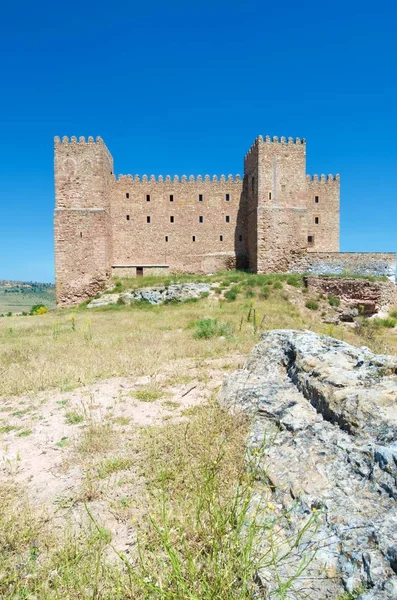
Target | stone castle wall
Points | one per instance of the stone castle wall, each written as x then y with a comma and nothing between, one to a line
193,225
275,218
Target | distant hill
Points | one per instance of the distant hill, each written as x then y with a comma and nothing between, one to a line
19,296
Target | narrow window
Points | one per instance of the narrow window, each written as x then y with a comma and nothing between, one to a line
194,238
227,197
316,199
253,183
147,219
201,219
147,197
127,195
81,234
200,197
127,217
240,238
316,220
270,195
227,219
166,238
139,271
310,239
171,197
171,219
221,238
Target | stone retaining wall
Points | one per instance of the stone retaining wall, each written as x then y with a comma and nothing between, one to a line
372,295
354,263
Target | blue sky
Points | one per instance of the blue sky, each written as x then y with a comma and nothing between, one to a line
185,87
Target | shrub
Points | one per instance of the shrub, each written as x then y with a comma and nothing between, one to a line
265,292
231,294
333,301
312,304
294,280
249,293
120,301
277,285
38,309
387,322
393,314
208,328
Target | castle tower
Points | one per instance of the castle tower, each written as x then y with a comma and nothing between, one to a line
275,178
83,175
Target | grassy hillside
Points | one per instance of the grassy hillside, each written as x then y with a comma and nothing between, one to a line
20,296
143,454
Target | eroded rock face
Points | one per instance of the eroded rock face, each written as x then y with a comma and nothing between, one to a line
155,295
335,407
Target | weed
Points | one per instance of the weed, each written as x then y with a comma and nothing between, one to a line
113,465
277,285
386,322
231,294
24,433
73,417
334,301
312,304
64,441
208,328
149,393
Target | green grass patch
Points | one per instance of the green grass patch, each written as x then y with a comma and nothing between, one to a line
148,393
113,465
334,301
73,417
311,304
209,328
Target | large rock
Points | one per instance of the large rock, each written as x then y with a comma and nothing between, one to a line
178,292
334,408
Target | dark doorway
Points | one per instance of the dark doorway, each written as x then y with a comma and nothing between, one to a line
139,271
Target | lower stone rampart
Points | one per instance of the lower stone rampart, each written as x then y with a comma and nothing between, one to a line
378,264
371,295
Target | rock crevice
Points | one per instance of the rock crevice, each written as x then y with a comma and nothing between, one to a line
334,410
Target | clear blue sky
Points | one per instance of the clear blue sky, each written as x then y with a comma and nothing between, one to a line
185,87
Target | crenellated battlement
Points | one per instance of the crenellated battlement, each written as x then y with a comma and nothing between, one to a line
178,179
275,140
322,178
81,140
262,220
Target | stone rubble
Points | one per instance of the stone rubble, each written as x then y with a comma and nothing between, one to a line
332,408
179,292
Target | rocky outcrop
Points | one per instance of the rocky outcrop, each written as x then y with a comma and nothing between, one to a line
154,295
333,409
366,295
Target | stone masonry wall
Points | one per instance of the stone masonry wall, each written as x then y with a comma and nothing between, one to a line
281,197
356,263
371,294
323,213
193,225
82,225
268,221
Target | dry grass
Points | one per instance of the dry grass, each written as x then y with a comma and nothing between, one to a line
182,487
66,349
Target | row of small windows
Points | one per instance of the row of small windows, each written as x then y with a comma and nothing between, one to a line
201,219
240,238
200,197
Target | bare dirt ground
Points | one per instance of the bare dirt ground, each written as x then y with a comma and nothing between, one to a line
66,449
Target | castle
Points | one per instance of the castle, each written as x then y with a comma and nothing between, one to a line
273,219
